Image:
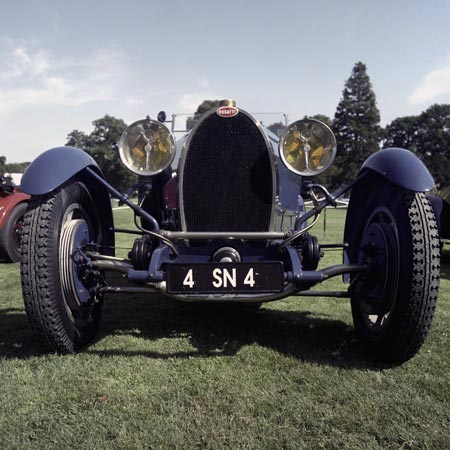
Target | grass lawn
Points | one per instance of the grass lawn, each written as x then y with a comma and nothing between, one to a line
168,375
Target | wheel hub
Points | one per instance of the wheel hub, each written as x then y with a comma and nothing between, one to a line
379,249
74,235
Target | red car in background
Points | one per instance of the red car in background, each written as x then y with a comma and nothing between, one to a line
13,205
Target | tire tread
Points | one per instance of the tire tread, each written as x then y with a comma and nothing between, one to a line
41,285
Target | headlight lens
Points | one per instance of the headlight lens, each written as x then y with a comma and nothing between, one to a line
147,147
307,147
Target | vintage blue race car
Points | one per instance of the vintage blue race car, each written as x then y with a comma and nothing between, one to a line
220,217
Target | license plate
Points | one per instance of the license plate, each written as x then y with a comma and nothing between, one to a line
213,278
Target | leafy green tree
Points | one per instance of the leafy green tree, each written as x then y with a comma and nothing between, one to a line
279,127
102,145
12,167
16,167
78,139
356,125
427,135
402,132
434,141
204,107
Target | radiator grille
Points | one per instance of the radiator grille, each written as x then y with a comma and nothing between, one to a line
227,183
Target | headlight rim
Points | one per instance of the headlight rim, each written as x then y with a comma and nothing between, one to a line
329,133
127,132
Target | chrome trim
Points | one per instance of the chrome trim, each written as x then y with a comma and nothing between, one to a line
124,136
271,151
227,102
223,235
288,129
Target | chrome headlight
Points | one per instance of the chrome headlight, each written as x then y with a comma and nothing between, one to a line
307,147
147,147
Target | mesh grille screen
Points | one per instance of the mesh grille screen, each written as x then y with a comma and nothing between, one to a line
227,180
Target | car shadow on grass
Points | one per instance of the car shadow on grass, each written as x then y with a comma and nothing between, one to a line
210,331
16,337
224,329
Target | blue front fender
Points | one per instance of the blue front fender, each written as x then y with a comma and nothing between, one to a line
53,168
56,166
402,168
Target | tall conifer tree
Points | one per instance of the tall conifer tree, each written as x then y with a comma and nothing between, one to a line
356,125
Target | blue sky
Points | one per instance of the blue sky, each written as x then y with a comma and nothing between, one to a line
64,64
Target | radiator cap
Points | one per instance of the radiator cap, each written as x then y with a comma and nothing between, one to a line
227,102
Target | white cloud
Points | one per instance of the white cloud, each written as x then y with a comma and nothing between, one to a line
30,76
201,91
19,62
189,102
435,84
104,65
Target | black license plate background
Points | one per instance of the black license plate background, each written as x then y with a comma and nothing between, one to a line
214,278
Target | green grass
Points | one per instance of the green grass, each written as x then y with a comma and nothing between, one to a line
169,375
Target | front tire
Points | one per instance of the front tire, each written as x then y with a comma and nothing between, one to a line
60,297
394,232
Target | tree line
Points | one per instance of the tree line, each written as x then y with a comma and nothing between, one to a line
356,125
11,167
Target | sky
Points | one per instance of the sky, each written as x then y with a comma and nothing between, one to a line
64,64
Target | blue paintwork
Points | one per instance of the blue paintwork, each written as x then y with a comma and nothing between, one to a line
53,168
402,168
159,256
